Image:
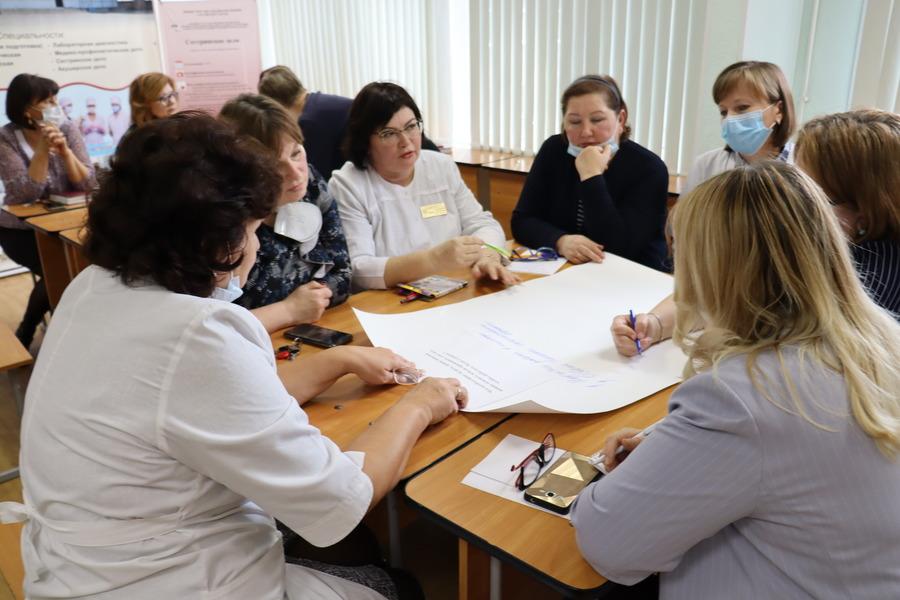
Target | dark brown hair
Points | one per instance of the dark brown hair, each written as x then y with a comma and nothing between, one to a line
372,108
25,90
174,205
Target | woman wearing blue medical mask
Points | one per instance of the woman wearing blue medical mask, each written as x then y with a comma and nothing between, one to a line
757,111
591,188
41,153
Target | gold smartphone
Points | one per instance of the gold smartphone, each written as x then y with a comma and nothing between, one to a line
558,487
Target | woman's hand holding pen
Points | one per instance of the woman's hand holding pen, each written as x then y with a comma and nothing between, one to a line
619,445
647,330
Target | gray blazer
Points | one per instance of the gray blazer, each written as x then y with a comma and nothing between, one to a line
733,497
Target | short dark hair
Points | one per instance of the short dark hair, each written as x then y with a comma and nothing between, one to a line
372,108
604,85
24,90
176,200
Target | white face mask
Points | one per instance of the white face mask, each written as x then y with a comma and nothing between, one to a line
230,293
300,221
611,142
53,115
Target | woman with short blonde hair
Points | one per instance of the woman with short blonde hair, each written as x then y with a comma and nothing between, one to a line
152,96
775,473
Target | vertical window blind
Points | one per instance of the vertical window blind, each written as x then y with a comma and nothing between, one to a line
525,52
340,45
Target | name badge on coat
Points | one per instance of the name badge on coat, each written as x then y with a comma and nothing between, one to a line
433,210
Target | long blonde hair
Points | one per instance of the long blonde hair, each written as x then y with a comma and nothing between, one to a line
761,264
855,158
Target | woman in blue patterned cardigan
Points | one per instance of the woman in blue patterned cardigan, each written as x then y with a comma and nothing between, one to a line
302,266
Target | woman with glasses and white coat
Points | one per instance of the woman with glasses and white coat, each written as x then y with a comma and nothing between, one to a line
407,213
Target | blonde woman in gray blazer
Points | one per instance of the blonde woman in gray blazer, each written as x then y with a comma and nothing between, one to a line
775,474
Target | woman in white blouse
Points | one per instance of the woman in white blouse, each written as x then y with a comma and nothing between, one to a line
407,213
158,441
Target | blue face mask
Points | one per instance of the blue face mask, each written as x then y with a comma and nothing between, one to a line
746,133
576,150
230,293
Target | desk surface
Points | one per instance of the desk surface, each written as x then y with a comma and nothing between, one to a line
516,164
36,209
75,236
12,354
59,221
543,544
475,157
346,409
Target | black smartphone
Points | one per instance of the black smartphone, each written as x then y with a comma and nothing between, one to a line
318,336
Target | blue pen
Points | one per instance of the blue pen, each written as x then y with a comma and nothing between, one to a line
637,342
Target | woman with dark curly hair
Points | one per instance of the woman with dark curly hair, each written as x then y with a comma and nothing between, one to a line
158,441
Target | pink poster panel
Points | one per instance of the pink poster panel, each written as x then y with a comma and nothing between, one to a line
211,50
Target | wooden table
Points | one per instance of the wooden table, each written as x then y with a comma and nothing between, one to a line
50,246
346,409
470,162
535,542
36,209
73,242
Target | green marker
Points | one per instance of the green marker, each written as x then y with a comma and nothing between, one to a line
501,251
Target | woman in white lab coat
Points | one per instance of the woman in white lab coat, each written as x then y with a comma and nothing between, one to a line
158,442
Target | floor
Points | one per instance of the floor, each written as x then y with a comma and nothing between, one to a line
14,292
429,551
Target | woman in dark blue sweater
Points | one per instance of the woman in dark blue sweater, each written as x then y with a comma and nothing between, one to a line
591,188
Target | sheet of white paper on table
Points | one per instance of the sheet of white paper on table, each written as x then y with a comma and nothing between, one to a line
542,346
493,474
537,267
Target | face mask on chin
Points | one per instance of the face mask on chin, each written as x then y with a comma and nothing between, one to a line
576,150
230,293
300,221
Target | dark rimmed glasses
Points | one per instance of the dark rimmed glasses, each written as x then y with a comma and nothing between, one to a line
542,253
530,468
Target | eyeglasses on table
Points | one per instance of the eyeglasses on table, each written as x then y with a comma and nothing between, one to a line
530,467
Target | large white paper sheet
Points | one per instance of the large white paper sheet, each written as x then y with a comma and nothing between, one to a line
542,346
537,267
